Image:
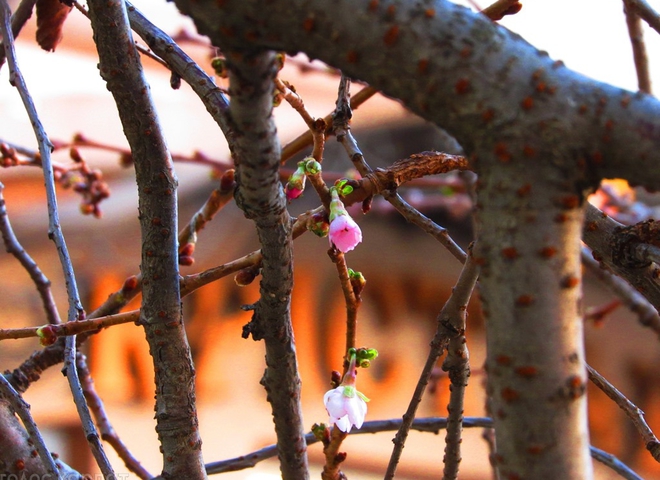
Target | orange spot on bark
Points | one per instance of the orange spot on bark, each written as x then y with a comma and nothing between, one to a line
569,282
524,300
570,201
535,449
308,24
391,10
391,36
540,87
502,152
560,218
373,5
582,109
503,360
524,190
625,101
462,86
527,103
510,253
509,395
429,13
423,65
465,52
527,372
352,56
529,151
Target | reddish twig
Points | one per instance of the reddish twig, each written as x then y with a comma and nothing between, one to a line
636,34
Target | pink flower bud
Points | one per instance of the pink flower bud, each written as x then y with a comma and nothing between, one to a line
292,192
345,233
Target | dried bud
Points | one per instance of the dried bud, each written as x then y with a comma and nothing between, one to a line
126,160
75,155
227,181
47,335
130,284
246,276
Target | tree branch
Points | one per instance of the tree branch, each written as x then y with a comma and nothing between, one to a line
261,197
176,417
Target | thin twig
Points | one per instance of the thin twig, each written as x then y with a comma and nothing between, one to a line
614,464
295,101
22,409
76,311
19,18
350,298
633,412
179,62
450,320
636,34
644,10
13,246
430,425
305,139
144,51
457,365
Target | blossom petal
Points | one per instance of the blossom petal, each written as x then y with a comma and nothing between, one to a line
345,233
356,409
343,424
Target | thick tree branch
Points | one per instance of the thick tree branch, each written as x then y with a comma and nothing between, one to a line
261,197
176,416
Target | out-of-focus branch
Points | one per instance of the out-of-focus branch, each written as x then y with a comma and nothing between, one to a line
21,408
498,10
636,34
19,18
630,409
634,300
644,10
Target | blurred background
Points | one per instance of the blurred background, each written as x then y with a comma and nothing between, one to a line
409,276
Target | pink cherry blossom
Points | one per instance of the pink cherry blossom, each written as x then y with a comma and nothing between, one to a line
345,233
346,407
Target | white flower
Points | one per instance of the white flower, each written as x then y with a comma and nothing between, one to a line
346,407
345,233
